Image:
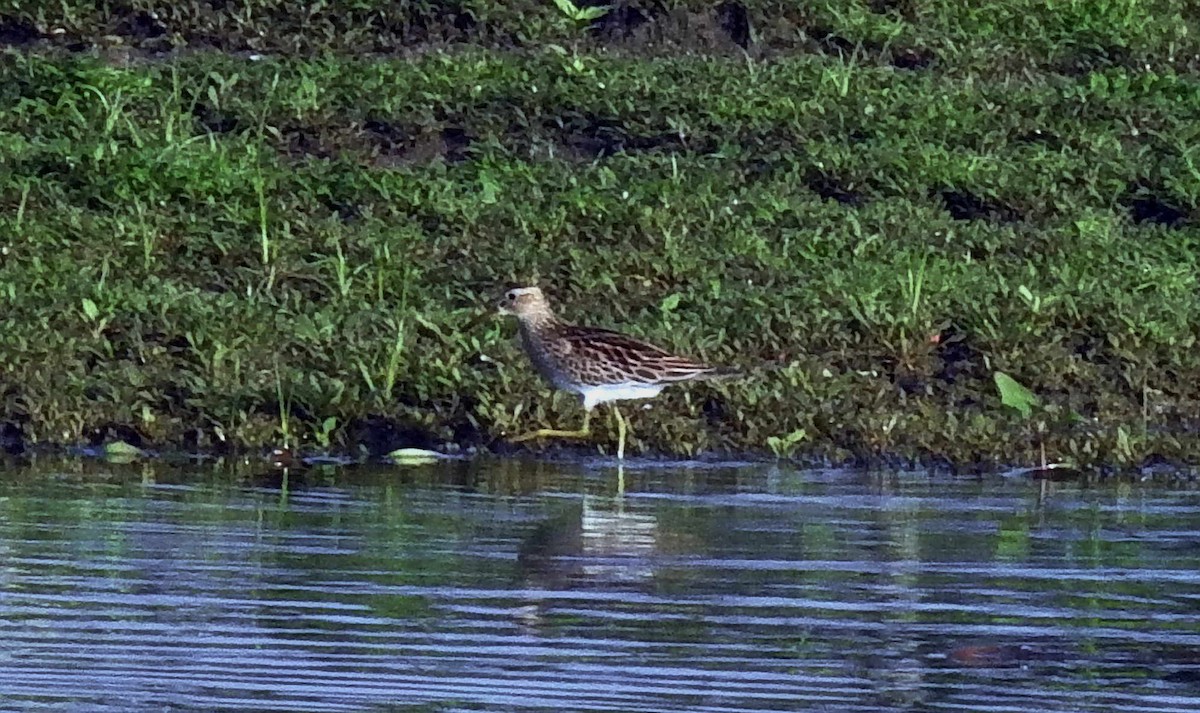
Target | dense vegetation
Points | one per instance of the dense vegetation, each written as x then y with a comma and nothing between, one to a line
242,223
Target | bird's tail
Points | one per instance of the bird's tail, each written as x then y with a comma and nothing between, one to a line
721,373
699,372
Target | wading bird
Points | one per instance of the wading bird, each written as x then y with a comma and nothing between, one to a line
600,365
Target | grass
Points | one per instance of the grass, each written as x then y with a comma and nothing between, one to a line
894,200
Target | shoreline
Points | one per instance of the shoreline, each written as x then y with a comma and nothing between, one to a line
270,459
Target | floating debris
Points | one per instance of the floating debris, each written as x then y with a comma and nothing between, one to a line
418,456
121,452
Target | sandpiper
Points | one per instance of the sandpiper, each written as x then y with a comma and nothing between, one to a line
600,365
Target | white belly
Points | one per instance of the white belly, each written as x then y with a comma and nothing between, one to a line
593,395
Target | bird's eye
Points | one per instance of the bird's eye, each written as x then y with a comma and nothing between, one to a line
511,296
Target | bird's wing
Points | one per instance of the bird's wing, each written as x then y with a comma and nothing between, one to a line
615,357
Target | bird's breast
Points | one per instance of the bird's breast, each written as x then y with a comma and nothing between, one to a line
603,393
549,365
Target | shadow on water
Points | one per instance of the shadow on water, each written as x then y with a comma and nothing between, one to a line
507,585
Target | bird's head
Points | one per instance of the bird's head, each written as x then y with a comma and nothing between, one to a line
524,303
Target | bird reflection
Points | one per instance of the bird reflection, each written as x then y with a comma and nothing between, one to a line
597,543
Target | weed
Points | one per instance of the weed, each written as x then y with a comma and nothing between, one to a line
284,402
323,435
1014,394
783,446
580,15
264,237
395,355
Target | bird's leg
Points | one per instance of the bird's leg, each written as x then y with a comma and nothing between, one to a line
583,432
620,432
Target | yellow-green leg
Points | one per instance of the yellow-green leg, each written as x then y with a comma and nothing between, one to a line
583,432
621,429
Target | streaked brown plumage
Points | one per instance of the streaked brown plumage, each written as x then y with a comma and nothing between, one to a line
600,356
598,364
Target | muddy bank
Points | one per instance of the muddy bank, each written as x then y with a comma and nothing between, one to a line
207,251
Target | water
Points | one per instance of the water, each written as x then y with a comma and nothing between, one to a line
505,586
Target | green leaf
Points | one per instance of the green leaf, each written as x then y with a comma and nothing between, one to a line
785,445
568,8
329,424
90,310
1014,394
488,189
670,302
591,13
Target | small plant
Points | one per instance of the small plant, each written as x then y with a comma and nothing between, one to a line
147,233
114,109
1034,302
323,434
914,288
25,188
91,313
667,307
285,405
1014,394
395,354
581,15
913,321
341,269
383,266
784,446
264,237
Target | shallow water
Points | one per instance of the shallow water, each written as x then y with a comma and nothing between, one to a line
501,586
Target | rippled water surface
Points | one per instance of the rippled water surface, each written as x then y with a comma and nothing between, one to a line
503,586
